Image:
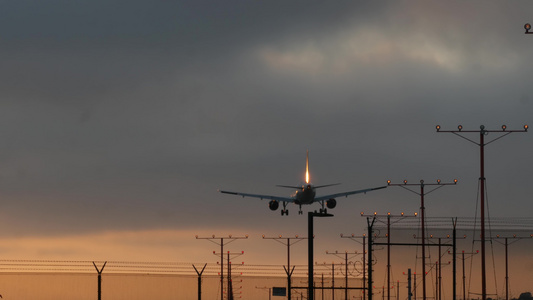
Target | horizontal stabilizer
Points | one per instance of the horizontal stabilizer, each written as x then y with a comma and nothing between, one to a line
289,186
326,185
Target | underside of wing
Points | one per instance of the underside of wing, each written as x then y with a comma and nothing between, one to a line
269,197
346,194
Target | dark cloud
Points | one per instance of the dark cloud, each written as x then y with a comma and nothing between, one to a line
127,115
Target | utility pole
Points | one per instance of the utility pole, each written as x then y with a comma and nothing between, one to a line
229,239
230,285
354,238
463,258
287,243
346,258
398,219
506,243
99,271
482,133
422,193
439,264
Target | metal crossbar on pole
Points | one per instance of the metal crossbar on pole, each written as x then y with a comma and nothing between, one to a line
482,143
506,244
214,240
288,243
346,258
354,238
422,193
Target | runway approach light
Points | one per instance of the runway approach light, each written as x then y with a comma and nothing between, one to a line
438,127
527,27
526,127
460,127
504,127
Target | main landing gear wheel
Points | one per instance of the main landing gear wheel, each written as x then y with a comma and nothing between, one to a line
284,212
300,212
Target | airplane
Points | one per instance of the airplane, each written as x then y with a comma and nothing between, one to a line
304,195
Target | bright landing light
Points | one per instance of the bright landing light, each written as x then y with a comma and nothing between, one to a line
307,168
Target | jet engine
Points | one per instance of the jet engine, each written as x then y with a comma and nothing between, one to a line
273,205
331,203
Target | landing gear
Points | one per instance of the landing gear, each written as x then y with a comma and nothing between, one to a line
300,212
285,211
323,210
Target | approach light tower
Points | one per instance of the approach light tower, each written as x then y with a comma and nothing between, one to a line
288,269
482,133
214,240
422,193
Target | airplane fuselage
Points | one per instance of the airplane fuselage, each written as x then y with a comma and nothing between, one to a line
304,196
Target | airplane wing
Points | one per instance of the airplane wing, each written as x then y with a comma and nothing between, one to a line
276,198
346,194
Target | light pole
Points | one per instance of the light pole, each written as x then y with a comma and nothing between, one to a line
422,193
346,258
506,243
482,133
288,270
310,253
398,219
228,239
354,238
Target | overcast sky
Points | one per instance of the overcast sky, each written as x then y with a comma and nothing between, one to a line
120,120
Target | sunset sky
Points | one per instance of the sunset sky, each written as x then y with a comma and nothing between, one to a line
120,120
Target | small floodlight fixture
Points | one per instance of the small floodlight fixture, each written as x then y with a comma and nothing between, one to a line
527,27
460,127
526,127
437,127
504,127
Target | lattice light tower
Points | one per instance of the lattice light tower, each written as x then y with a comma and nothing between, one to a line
482,133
